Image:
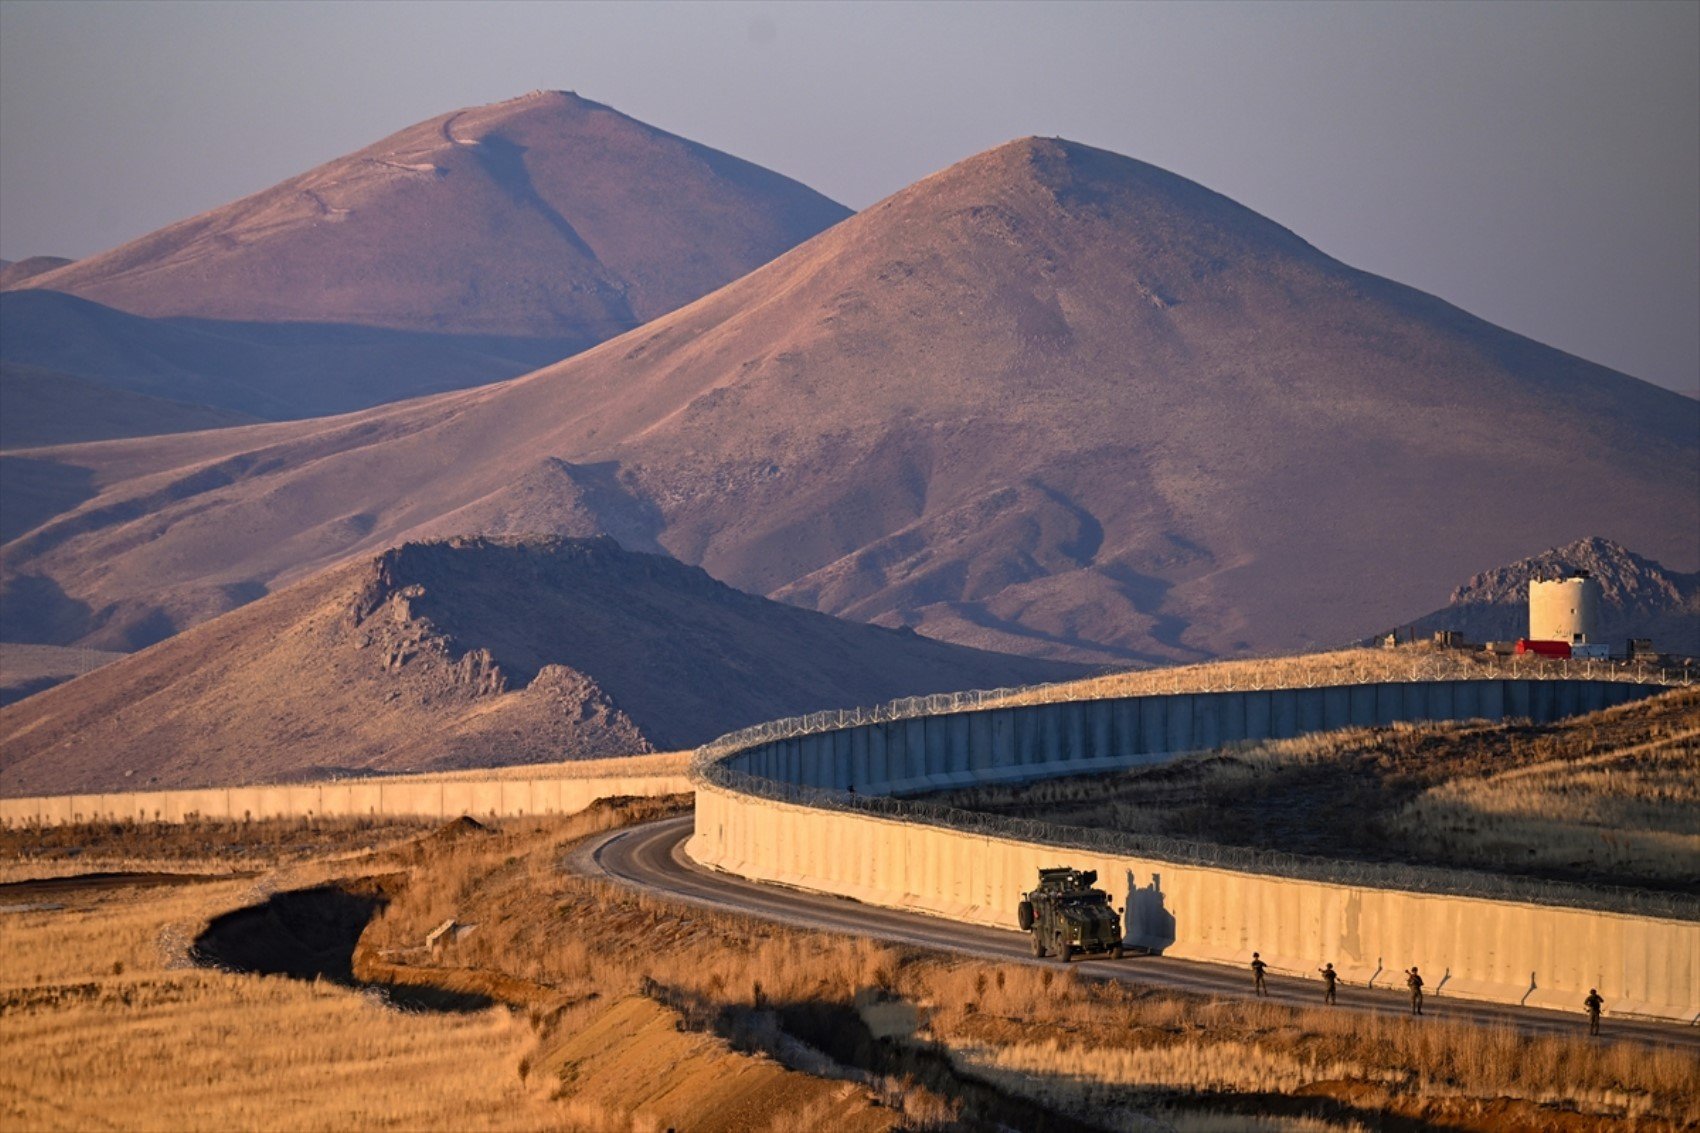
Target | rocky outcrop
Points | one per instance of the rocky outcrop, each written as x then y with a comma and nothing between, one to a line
1638,597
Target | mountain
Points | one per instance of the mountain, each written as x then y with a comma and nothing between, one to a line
469,248
543,215
15,272
468,653
1638,598
1051,400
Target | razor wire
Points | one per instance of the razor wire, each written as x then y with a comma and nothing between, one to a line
1423,669
1158,848
708,766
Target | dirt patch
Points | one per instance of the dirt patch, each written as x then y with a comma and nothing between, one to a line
640,1059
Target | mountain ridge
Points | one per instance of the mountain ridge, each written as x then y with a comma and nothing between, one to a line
1051,400
467,653
559,209
472,247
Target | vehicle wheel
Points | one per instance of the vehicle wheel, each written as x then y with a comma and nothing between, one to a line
1116,952
1067,953
1024,915
1038,947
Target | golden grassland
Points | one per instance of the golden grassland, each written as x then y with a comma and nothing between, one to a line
1607,798
618,1011
107,1026
1333,667
1632,812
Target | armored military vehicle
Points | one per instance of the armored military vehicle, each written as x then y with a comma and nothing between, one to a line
1068,916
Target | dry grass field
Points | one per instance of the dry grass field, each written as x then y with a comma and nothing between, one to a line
1297,670
977,1037
558,1001
1608,798
111,1023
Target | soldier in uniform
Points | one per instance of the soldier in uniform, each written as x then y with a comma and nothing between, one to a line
1257,968
1593,1003
1415,983
1329,976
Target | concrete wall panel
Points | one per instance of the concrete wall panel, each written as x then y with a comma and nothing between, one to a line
1100,729
1259,723
1233,713
1179,727
423,797
1471,948
858,772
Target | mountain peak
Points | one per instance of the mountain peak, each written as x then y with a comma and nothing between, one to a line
1144,210
548,215
1051,399
1625,577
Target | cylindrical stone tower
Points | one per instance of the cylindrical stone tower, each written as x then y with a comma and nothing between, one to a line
1564,609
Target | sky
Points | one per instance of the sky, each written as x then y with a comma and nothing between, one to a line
1537,164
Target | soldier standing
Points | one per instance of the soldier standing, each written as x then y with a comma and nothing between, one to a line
1415,983
1257,967
1593,1003
1329,975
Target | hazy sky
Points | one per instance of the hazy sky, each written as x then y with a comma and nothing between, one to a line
1536,163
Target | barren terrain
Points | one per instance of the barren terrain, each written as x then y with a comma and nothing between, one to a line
28,669
45,407
1051,400
471,653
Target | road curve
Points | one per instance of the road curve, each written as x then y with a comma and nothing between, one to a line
651,857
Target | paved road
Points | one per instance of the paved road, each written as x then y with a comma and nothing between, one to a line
651,857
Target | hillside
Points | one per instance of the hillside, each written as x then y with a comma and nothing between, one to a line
1051,400
468,248
45,407
547,214
1604,799
263,371
28,669
468,653
1638,598
14,273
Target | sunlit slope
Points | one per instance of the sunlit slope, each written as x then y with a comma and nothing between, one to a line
1051,400
529,216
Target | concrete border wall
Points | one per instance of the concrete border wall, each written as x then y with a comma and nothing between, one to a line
444,798
1500,950
1470,948
1039,741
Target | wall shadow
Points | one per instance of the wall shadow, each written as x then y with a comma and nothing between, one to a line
1149,924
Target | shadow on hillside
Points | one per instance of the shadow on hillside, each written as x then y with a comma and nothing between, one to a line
311,934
